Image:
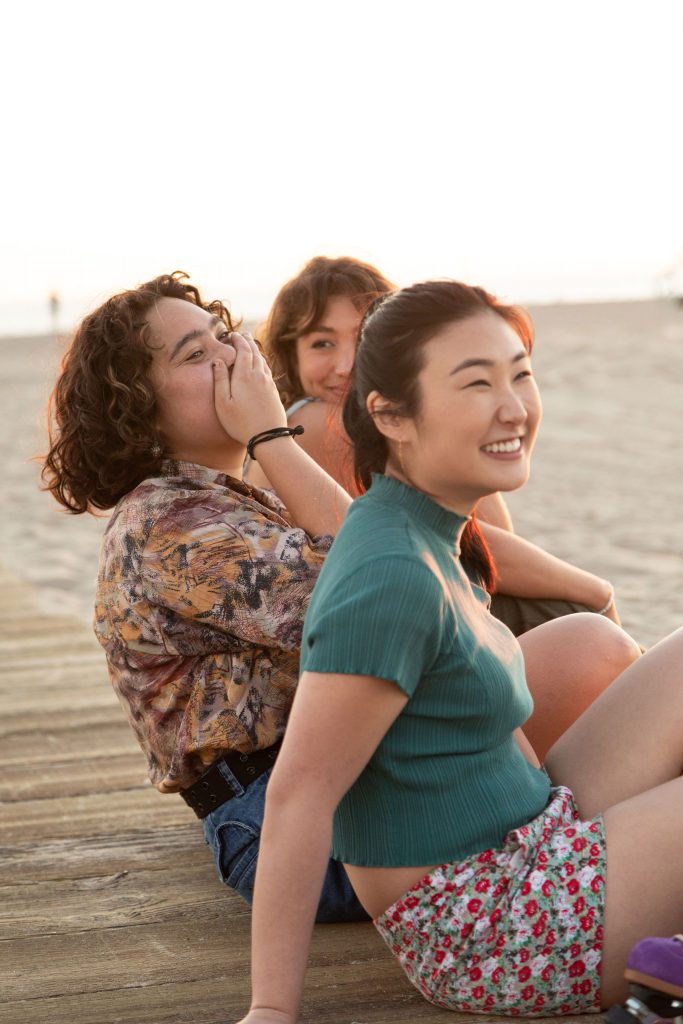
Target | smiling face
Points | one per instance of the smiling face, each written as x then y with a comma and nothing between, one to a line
478,417
326,354
185,339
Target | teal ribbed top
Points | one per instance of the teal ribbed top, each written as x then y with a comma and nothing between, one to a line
393,601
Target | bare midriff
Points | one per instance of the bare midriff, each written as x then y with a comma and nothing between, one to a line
379,888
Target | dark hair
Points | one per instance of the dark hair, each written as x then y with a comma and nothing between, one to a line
102,414
390,355
300,304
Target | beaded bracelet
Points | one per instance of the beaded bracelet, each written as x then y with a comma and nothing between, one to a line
270,435
609,604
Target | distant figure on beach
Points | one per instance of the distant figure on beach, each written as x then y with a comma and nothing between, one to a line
486,874
204,579
310,337
53,302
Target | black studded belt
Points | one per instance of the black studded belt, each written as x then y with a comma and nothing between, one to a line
212,789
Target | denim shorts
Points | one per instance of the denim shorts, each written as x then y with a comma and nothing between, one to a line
233,831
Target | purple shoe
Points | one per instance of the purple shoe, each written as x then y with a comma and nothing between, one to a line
657,964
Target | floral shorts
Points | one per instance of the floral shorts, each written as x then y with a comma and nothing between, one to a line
515,930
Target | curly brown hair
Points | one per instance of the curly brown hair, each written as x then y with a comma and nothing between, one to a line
300,304
102,413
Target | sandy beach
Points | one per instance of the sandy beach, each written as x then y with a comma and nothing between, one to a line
607,484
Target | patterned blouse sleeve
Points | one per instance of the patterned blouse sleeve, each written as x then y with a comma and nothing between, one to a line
244,574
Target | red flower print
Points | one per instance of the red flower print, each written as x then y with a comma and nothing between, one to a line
478,992
495,916
531,908
475,959
539,928
547,972
499,889
595,850
547,887
585,987
587,922
474,906
528,992
539,1000
475,974
597,883
568,868
551,938
570,833
500,941
466,930
446,942
489,1001
483,885
577,969
573,886
579,905
439,955
484,857
579,844
411,902
575,950
524,955
542,859
524,974
497,975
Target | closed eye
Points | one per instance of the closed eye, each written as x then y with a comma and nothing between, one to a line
523,373
478,384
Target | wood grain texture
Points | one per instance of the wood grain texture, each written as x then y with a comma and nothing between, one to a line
110,906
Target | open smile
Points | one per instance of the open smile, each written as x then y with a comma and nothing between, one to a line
510,446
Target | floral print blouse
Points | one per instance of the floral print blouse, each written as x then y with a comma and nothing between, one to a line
202,591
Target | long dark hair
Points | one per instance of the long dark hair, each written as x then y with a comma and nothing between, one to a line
389,358
103,438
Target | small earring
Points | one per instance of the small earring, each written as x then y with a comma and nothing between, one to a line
156,450
400,457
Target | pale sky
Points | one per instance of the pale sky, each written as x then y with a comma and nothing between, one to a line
524,145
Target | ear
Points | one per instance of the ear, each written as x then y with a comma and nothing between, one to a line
389,422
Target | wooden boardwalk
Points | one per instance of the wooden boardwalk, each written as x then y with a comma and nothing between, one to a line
110,908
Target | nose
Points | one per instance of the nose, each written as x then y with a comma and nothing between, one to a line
346,357
512,408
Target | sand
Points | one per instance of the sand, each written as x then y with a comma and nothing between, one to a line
606,490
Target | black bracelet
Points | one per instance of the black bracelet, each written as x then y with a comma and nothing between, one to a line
269,435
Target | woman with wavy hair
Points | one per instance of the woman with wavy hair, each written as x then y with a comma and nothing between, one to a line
203,579
500,886
310,337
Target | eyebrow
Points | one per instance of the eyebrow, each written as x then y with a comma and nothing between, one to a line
191,335
467,363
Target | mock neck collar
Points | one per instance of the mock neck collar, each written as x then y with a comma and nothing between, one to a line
448,525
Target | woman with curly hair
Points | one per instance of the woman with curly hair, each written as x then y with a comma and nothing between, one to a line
203,579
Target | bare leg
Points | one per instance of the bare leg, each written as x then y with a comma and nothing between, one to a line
644,892
624,757
569,662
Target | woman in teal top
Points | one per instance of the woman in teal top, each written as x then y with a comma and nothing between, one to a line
487,875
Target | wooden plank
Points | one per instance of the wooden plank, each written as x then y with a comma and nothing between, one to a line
125,898
37,747
88,775
94,856
91,814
